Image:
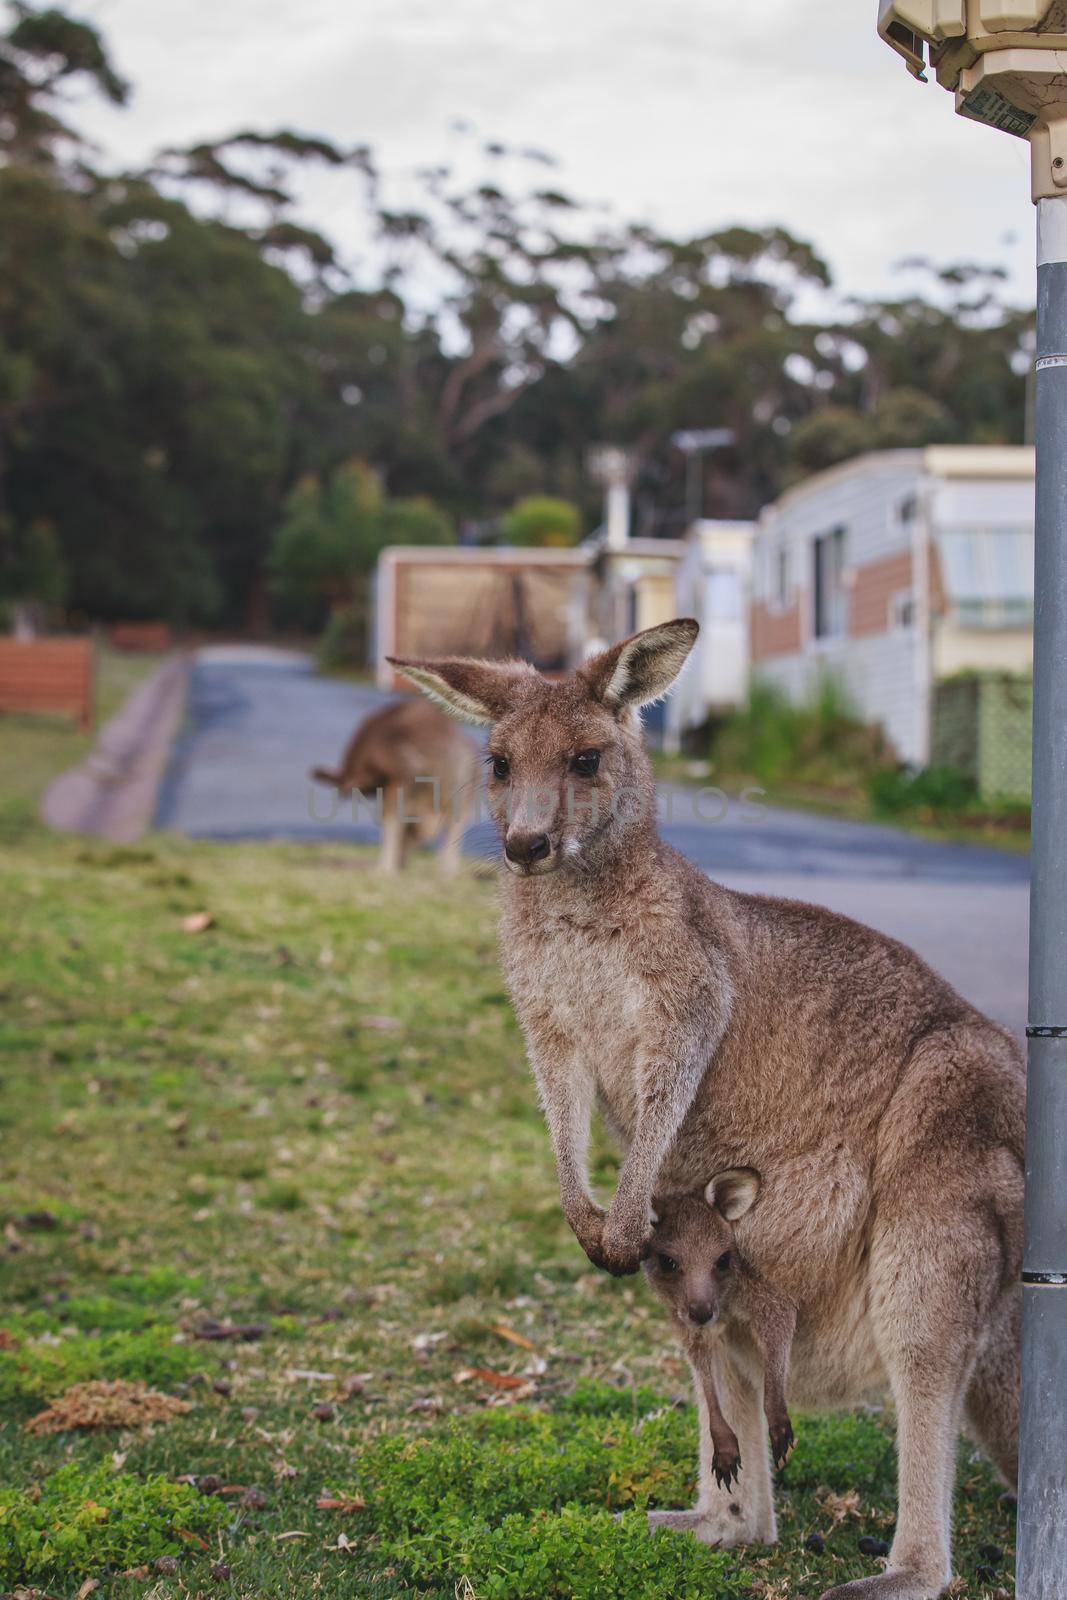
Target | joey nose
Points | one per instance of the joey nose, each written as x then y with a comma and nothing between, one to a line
701,1312
526,848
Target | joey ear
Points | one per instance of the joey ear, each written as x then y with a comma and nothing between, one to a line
473,691
733,1192
641,669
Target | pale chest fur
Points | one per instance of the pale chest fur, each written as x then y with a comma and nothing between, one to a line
576,993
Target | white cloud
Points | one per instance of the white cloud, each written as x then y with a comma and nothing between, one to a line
692,113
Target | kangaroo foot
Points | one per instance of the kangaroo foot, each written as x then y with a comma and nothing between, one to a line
899,1584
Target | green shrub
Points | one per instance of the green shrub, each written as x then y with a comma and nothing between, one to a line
576,1553
526,1504
542,520
44,1367
88,1312
491,1492
89,1518
157,1283
845,1451
591,1397
821,743
127,1300
941,790
526,1461
343,640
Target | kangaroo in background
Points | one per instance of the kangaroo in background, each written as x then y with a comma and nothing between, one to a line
703,1281
425,772
717,1029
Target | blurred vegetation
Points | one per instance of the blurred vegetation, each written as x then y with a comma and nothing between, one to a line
820,753
325,549
185,368
820,744
542,520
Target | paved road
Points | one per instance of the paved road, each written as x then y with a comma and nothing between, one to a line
260,719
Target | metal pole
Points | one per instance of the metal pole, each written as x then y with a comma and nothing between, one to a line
1042,1539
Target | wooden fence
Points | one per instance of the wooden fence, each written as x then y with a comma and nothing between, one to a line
48,675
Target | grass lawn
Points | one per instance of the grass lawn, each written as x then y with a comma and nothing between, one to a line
312,1119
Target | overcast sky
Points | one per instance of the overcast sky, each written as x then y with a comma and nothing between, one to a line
688,113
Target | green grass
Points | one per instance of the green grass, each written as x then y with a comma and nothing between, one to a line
316,1117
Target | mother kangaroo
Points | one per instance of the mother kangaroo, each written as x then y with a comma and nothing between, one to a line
717,1030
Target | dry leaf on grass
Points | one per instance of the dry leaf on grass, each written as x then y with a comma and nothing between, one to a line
190,1537
344,1502
198,922
840,1506
87,1588
343,1543
496,1380
502,1331
103,1404
8,1340
294,1533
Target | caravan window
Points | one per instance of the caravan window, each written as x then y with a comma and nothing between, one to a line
829,585
722,595
781,577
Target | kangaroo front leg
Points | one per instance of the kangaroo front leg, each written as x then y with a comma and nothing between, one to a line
567,1093
666,1092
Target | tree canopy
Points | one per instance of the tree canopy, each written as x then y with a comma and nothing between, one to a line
189,375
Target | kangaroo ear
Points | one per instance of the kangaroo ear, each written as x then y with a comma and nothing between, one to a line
733,1192
473,691
641,669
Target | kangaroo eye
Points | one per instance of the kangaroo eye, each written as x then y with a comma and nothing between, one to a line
586,763
500,767
723,1263
668,1264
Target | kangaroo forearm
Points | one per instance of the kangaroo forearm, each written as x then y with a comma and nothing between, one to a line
567,1094
667,1091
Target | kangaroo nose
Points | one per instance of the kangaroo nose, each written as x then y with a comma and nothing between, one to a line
527,848
701,1312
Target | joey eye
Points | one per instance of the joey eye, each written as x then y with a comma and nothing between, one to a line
501,767
586,763
668,1264
723,1263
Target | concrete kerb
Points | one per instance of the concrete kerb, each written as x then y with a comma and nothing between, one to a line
112,793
